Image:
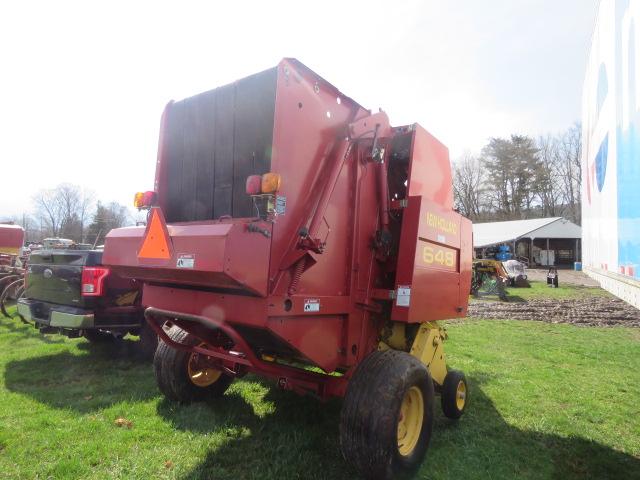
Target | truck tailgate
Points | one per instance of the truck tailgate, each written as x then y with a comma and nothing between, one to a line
55,276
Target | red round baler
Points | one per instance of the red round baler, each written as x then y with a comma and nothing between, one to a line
296,235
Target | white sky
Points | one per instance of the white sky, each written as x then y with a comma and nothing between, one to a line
83,84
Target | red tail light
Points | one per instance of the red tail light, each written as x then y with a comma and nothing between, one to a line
93,281
253,184
144,199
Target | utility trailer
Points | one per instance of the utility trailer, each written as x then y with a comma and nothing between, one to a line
296,235
11,266
11,243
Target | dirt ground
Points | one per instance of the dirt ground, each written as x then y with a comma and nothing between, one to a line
592,308
595,311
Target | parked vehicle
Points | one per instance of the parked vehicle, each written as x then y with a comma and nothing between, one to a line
70,291
517,273
296,235
489,277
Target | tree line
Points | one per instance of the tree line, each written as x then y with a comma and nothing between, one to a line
521,177
70,211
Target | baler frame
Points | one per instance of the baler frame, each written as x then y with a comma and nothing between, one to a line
289,378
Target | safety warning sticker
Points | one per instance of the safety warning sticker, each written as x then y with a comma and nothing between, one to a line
281,204
186,260
311,305
403,299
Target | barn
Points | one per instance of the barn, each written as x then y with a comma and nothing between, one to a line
537,241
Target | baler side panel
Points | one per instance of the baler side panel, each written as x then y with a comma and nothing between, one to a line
431,263
318,338
430,169
308,123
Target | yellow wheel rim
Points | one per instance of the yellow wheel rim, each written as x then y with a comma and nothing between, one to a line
461,395
410,421
201,377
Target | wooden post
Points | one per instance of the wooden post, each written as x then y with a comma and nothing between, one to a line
531,252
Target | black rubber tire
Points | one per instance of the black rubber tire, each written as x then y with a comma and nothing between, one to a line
449,393
148,342
171,369
97,336
370,414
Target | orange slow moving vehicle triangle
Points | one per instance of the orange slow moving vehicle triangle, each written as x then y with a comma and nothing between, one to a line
156,243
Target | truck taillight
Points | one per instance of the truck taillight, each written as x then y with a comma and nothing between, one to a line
144,199
93,281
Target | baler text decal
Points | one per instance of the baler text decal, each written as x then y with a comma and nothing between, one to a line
441,223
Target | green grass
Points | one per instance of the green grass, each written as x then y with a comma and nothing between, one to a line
548,401
540,290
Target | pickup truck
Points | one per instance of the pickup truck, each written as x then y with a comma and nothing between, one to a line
69,291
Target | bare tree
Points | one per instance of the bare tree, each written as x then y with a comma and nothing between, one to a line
106,218
570,169
64,210
549,184
468,190
49,211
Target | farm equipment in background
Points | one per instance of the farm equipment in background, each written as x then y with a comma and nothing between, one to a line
296,235
489,277
11,264
552,277
517,273
497,270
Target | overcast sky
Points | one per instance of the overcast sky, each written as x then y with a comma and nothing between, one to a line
83,84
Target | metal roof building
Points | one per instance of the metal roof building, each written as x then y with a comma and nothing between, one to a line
528,237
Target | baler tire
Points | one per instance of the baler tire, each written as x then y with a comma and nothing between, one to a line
371,411
97,336
171,369
455,394
148,342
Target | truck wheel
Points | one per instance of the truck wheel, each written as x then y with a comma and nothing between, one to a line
98,336
387,415
148,341
178,375
454,395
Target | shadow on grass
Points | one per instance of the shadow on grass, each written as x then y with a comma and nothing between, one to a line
103,375
14,325
261,432
515,299
291,439
299,439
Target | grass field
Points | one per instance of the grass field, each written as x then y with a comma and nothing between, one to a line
539,290
548,401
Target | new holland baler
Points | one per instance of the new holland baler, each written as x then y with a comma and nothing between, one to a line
296,235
